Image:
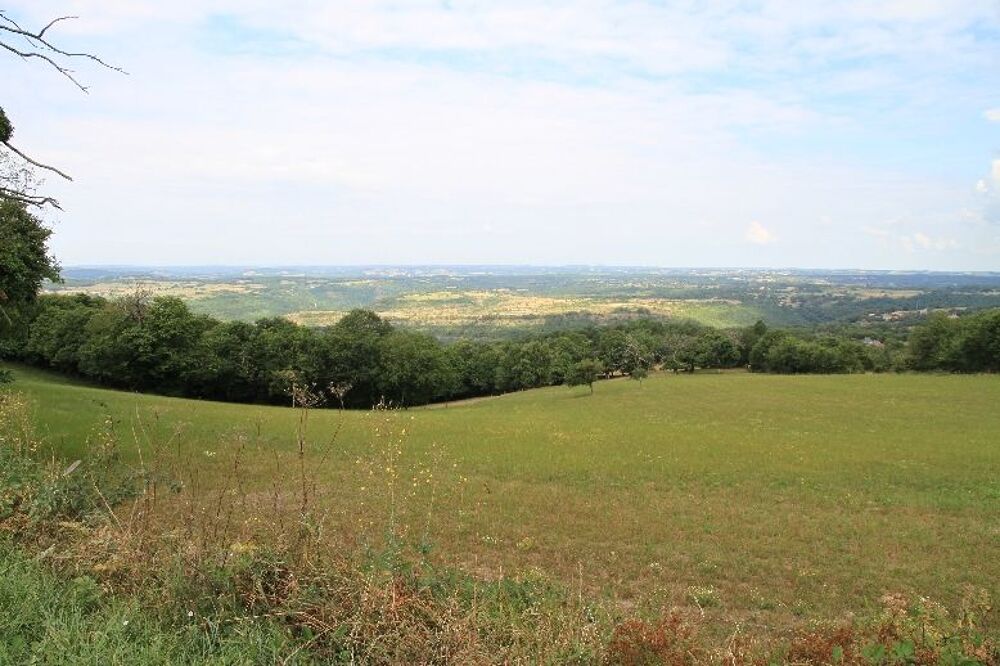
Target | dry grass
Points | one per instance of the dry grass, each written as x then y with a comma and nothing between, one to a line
750,531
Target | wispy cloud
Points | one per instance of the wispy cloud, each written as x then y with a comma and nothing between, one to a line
915,242
926,242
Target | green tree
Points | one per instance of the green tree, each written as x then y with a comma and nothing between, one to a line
567,349
760,352
475,367
351,348
171,339
108,354
59,331
533,365
638,357
612,350
278,347
231,371
25,262
716,350
686,355
587,372
748,338
413,369
932,344
979,342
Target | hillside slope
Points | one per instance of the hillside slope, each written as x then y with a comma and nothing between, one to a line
757,498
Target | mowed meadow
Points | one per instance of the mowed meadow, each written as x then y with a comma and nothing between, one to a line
761,501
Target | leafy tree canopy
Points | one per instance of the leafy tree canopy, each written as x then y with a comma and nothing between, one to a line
25,262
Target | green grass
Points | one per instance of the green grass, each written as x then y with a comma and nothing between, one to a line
45,619
762,499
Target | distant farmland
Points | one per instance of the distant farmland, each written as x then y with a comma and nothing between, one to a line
489,302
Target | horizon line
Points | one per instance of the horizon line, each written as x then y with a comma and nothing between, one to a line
251,266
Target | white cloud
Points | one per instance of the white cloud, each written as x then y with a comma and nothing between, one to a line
918,241
928,243
758,234
993,115
396,121
988,196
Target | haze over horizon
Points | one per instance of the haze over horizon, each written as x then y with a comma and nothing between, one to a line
519,269
847,135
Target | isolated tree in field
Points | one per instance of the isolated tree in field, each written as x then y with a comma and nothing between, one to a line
639,373
32,45
586,372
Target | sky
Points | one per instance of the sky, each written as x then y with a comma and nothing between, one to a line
764,133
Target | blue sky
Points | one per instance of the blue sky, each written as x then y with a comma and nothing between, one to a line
732,133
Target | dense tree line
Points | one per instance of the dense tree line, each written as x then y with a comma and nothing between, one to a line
957,344
942,342
158,345
787,352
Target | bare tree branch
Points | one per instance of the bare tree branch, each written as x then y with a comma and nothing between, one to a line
59,68
28,199
4,17
34,162
36,45
54,21
38,40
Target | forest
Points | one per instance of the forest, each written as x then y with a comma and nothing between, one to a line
156,344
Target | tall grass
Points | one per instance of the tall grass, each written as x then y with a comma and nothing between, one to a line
160,556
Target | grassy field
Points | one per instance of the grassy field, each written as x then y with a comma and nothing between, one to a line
47,620
761,500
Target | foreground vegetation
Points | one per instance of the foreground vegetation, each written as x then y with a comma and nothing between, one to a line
692,509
